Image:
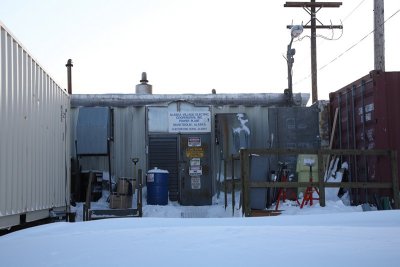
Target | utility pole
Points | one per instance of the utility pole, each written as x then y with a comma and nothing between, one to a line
312,9
379,35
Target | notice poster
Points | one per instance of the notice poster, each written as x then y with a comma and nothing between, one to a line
195,162
189,122
194,141
195,170
194,152
195,182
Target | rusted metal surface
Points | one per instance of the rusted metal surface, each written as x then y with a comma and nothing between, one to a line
367,120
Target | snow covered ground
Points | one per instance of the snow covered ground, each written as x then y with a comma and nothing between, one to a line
336,235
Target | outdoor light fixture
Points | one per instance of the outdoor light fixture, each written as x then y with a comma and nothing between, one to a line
295,32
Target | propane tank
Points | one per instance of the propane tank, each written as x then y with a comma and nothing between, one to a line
143,87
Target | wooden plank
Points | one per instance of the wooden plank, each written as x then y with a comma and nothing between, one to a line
338,152
333,128
263,213
321,186
331,143
86,207
317,184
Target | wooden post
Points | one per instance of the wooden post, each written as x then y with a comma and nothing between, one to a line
395,179
233,184
225,185
321,181
379,35
314,72
88,196
244,154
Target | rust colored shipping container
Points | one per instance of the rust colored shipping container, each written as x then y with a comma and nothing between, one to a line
368,118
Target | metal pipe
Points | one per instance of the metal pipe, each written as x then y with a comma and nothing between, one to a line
290,60
139,196
69,66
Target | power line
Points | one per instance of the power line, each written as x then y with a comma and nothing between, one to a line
351,47
354,9
327,38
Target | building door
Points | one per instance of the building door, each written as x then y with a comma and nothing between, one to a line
194,169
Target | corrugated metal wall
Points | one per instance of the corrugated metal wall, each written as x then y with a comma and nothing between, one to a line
129,142
34,139
130,137
367,119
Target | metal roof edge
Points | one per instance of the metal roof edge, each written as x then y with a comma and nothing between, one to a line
248,99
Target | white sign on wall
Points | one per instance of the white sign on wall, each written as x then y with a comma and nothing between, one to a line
189,122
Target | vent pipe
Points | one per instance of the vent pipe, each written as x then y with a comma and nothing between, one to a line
69,74
143,87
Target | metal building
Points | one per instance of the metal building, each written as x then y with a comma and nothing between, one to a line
34,138
187,134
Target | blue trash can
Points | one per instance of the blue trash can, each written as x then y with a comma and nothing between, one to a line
157,187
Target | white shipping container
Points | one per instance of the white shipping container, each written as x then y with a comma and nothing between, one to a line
34,137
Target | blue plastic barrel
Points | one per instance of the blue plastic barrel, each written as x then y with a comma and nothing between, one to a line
157,187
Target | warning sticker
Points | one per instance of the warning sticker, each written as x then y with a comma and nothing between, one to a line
195,170
196,182
195,162
194,141
194,152
150,178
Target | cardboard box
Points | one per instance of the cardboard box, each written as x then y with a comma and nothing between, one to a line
126,186
120,201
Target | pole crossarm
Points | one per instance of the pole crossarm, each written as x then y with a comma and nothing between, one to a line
312,7
312,4
319,26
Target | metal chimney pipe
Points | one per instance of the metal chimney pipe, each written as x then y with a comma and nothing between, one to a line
69,73
143,87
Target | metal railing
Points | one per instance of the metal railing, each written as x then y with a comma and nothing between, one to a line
245,155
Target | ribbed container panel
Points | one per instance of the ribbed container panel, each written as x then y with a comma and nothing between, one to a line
128,142
34,134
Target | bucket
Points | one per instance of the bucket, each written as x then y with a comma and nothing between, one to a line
157,187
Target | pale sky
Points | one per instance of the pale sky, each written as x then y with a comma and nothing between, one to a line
193,46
